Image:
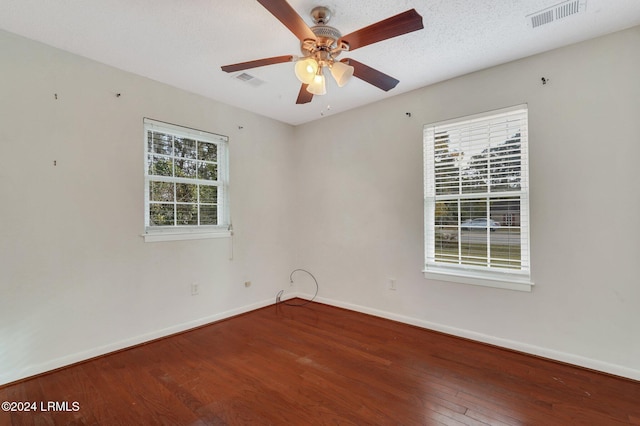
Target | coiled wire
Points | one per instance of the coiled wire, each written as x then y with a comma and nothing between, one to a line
279,295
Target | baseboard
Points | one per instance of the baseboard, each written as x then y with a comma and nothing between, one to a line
580,361
7,377
568,358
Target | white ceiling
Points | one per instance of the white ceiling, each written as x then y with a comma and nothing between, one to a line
184,42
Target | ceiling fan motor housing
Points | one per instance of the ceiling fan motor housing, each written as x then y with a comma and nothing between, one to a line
326,32
324,48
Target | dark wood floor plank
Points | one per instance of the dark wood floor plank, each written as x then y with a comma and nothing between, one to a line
317,364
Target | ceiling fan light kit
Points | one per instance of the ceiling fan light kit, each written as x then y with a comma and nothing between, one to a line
318,85
321,45
341,72
306,69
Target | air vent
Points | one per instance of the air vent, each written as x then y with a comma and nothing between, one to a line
559,11
245,77
566,9
542,18
249,79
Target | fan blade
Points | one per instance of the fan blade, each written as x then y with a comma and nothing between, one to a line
304,97
289,17
394,26
372,75
257,63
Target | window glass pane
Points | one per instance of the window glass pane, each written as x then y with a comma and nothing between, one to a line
161,214
446,213
185,148
446,229
505,248
160,166
505,165
506,241
446,245
186,193
446,222
187,214
159,143
475,173
447,172
185,168
160,191
208,215
207,171
207,151
208,194
471,211
506,211
447,252
474,250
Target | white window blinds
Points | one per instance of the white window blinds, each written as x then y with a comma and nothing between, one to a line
476,196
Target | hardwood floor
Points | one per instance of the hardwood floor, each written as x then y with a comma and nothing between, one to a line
317,364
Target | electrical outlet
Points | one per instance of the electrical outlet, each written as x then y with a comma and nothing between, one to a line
392,284
247,284
195,289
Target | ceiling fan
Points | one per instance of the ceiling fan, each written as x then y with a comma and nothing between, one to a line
322,44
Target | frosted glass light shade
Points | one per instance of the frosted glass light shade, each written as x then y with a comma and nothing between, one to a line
306,70
341,72
318,85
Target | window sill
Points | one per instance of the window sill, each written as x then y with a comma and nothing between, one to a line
178,235
508,282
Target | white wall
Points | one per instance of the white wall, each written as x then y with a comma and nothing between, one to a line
76,278
361,223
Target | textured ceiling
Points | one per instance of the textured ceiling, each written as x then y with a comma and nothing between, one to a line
184,43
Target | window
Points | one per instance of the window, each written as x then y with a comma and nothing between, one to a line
185,183
477,200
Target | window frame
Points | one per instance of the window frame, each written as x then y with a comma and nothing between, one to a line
498,277
188,232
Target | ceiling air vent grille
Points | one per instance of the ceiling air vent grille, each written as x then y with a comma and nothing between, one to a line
559,11
249,79
245,77
542,18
